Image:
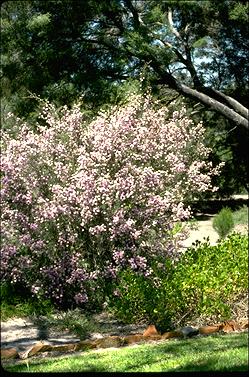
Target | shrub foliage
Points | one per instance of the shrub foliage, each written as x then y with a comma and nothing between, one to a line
223,222
82,201
205,282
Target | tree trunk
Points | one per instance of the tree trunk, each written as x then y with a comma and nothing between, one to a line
215,105
238,117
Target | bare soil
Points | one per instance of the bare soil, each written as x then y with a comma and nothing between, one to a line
205,230
22,333
205,214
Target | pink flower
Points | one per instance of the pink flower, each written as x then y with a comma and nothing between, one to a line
80,298
87,199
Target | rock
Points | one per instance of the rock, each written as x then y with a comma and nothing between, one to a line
189,331
152,337
64,347
33,350
230,326
131,339
205,330
244,324
96,336
9,353
151,330
110,341
172,334
85,345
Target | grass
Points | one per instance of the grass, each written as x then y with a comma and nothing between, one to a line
224,353
241,216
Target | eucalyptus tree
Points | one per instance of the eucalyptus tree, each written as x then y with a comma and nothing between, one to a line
196,49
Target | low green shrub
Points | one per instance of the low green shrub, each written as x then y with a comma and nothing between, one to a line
241,215
205,282
223,222
211,277
75,321
16,302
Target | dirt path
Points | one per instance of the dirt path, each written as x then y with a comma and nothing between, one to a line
205,229
22,333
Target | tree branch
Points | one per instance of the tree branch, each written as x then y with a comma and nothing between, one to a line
205,99
214,105
190,66
209,97
242,110
173,29
136,20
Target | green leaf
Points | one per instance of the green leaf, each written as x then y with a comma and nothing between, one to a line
39,21
202,42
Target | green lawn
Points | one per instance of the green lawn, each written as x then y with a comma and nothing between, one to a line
212,353
241,216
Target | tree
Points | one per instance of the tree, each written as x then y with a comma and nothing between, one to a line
113,39
198,49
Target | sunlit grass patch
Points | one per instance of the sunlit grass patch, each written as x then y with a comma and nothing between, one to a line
212,353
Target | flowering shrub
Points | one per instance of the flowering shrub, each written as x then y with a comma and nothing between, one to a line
80,202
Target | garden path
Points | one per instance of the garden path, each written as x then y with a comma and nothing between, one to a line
204,228
22,333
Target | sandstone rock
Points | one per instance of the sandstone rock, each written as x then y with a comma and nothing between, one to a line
64,347
9,353
131,339
151,330
230,326
152,337
110,341
85,345
244,324
205,330
33,350
172,334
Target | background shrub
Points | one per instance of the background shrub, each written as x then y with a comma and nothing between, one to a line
205,283
74,321
223,222
17,302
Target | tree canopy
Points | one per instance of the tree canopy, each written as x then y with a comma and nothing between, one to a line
63,49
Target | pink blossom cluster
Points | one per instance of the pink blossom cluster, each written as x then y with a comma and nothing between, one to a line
80,201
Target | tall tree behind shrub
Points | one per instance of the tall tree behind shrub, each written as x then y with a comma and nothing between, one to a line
80,202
